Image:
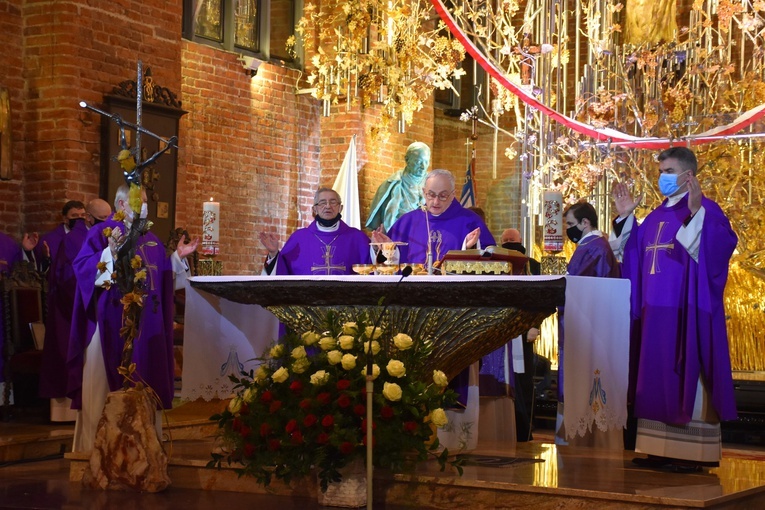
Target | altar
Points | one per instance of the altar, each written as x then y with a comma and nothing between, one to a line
231,320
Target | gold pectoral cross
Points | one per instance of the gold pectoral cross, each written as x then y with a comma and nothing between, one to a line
656,246
328,267
151,269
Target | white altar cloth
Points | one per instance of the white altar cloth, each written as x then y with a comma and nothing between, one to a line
222,337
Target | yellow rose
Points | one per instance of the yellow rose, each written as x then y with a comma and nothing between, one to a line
327,343
375,371
438,417
377,332
261,373
348,361
319,378
350,328
136,262
235,405
310,338
107,232
440,378
392,391
276,351
281,375
402,341
346,342
395,368
140,275
334,357
249,394
298,352
300,365
375,347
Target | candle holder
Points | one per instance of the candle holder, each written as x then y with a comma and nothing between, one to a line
208,266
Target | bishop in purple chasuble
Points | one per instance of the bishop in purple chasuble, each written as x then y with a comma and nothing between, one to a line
311,251
678,315
153,347
444,232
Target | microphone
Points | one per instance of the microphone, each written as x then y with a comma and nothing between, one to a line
370,356
429,256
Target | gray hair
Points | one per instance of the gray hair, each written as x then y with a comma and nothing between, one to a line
325,189
439,172
121,195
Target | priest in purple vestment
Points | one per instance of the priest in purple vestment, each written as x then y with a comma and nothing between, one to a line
328,246
60,299
95,343
593,257
680,370
444,226
72,211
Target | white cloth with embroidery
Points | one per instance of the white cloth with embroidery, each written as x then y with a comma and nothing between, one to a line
597,354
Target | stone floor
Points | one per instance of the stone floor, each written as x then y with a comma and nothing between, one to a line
556,478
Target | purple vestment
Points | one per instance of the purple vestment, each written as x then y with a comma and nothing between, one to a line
10,254
153,347
678,316
312,251
593,257
58,322
53,238
447,232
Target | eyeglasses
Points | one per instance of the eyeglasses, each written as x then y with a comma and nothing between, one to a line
443,196
324,203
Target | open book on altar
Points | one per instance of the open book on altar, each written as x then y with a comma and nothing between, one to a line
493,260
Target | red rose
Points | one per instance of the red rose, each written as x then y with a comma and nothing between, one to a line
359,409
327,421
296,387
291,426
364,424
305,404
344,401
343,384
275,406
265,429
322,438
296,437
346,447
364,440
324,398
274,445
310,420
249,450
386,412
244,410
410,426
266,397
244,431
236,425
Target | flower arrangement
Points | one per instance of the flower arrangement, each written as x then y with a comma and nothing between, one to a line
305,406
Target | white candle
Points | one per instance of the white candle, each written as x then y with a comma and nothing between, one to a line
210,227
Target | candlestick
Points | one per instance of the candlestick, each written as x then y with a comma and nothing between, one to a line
210,228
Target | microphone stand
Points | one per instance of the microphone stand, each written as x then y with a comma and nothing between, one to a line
370,386
429,259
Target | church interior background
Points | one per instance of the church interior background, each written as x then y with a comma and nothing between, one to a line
261,126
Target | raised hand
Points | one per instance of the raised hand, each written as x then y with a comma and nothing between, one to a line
184,249
623,199
30,240
694,193
472,238
378,236
270,241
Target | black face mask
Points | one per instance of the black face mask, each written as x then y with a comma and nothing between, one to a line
72,222
328,223
574,234
514,246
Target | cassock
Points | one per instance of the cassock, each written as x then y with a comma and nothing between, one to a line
446,232
592,257
679,330
60,299
10,254
97,309
53,238
323,252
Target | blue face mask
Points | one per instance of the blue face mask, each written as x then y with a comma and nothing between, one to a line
668,184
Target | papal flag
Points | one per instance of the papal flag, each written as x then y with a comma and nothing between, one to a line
347,186
467,199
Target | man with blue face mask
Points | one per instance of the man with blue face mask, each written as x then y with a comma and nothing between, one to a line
680,372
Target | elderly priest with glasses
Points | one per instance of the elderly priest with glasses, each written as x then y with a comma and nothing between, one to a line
328,246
